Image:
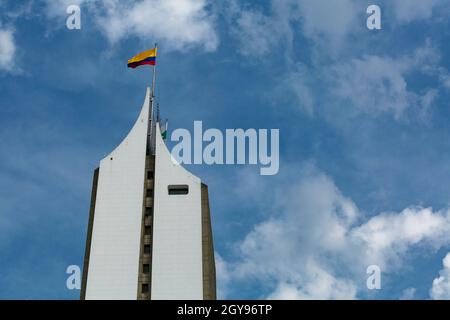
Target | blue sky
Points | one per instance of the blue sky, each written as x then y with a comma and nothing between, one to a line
363,118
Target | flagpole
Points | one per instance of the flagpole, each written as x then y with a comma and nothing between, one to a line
152,98
154,72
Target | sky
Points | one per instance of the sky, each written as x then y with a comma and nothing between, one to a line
363,118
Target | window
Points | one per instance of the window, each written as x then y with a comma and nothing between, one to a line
145,288
178,189
149,175
149,193
147,230
146,268
146,248
148,210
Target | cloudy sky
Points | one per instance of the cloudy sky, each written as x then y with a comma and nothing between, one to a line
363,115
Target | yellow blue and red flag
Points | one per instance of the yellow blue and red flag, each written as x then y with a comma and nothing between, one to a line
147,57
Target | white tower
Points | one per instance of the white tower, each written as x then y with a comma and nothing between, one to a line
149,233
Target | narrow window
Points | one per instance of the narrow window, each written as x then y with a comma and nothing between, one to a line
149,175
145,288
147,230
149,193
146,268
146,248
178,189
148,210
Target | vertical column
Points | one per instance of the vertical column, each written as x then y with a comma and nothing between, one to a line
208,262
145,256
87,251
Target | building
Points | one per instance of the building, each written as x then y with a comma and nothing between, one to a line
149,232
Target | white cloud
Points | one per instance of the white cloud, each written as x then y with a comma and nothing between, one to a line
445,78
388,236
177,24
259,34
408,294
379,84
7,50
321,285
328,23
410,10
223,276
325,22
370,84
441,285
299,82
317,244
356,84
254,31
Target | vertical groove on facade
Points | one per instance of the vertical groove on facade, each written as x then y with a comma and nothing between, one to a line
87,251
145,258
208,262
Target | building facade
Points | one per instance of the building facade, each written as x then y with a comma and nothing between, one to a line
149,232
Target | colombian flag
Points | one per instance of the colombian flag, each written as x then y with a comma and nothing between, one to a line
146,57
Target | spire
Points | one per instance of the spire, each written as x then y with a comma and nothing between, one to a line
154,111
154,72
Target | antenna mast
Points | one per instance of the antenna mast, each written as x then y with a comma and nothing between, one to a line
154,72
152,129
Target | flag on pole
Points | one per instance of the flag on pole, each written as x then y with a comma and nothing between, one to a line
143,58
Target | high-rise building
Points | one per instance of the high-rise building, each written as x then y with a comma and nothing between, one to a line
149,232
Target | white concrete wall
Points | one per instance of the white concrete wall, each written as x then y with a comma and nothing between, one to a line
114,259
177,231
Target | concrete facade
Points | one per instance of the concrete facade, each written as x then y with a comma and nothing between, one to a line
177,238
